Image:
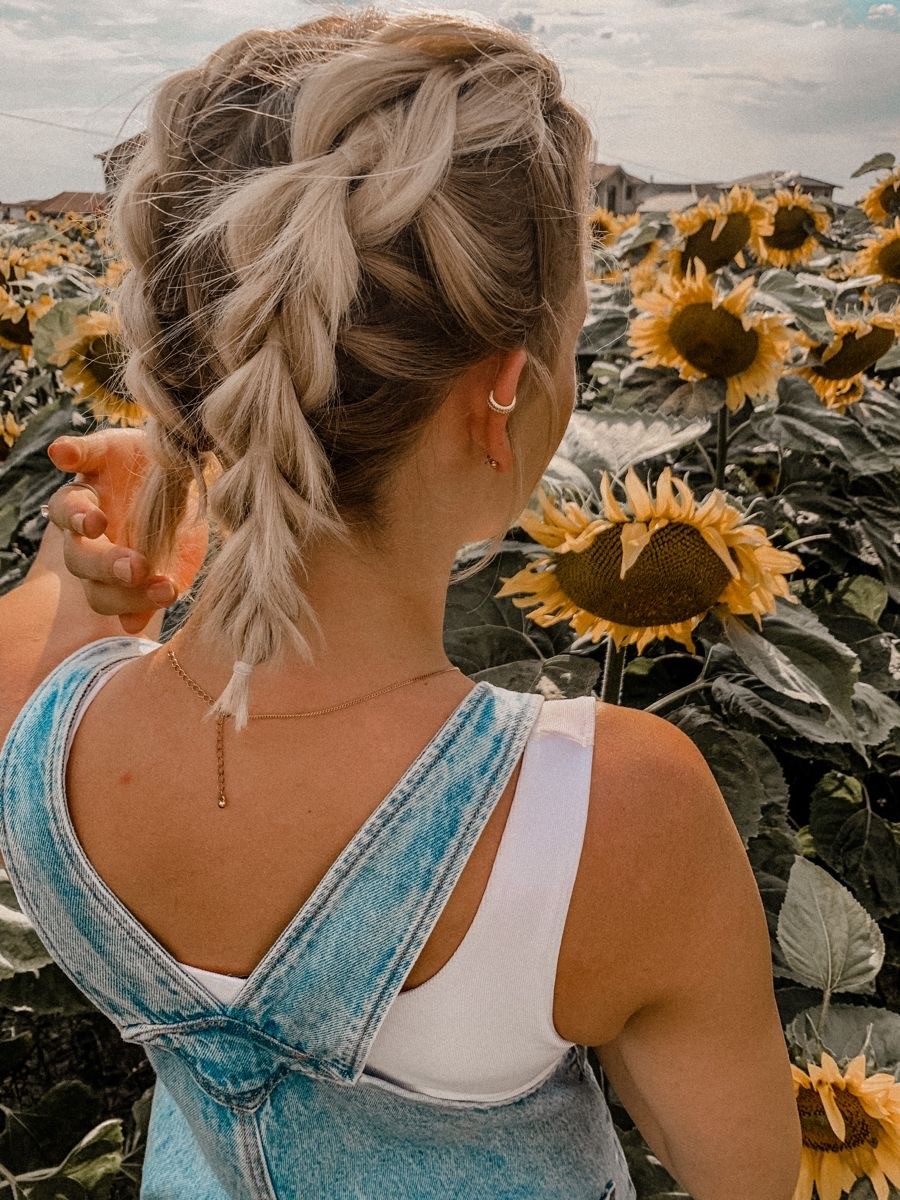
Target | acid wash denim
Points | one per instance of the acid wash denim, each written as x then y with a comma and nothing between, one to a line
268,1097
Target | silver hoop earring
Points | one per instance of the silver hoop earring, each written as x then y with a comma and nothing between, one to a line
500,408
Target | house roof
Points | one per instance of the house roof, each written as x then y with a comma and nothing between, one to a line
780,179
63,202
121,147
601,171
668,202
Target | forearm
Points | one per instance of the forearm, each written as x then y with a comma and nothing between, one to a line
43,620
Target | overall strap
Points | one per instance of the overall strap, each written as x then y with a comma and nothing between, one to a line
73,912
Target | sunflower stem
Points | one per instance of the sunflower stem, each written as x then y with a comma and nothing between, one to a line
721,446
826,1000
676,695
613,673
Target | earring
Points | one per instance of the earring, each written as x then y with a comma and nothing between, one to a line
492,463
500,408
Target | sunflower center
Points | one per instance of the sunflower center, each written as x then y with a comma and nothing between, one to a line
860,1129
17,332
856,354
713,340
713,254
676,576
890,199
103,360
889,259
790,230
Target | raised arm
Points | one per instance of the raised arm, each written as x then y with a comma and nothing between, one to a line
71,595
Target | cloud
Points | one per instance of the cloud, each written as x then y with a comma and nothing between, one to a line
681,89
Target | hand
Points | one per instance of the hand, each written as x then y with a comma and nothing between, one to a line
117,581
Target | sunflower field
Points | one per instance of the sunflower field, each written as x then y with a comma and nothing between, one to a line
717,540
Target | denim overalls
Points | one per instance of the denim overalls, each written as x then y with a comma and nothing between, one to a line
268,1096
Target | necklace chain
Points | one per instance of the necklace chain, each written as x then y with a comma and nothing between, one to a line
315,712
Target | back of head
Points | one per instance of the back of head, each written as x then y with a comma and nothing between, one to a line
325,226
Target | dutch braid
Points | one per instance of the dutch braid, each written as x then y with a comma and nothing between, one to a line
319,246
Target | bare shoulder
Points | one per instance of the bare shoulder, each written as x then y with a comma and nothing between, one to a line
659,840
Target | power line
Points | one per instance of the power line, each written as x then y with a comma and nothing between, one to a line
58,125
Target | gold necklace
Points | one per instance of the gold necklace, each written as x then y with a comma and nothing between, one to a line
316,712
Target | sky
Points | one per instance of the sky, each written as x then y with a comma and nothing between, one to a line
678,90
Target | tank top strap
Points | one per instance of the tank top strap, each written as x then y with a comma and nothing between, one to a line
340,970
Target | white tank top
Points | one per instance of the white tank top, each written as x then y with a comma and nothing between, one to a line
482,1027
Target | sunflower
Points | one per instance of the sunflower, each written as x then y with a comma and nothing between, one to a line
882,202
606,226
10,429
643,272
880,254
654,574
91,359
716,231
687,324
796,222
17,321
851,1128
836,370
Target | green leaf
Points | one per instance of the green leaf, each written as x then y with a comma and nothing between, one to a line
604,331
14,1050
566,481
521,676
48,990
770,664
605,439
879,524
802,422
828,939
881,162
477,647
876,713
855,842
850,1029
820,670
97,1157
570,674
732,756
889,361
782,290
20,947
57,323
862,593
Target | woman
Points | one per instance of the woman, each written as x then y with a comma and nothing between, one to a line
366,946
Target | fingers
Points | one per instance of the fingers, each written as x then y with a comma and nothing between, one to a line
116,580
90,453
75,509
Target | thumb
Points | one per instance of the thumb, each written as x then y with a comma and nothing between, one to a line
65,453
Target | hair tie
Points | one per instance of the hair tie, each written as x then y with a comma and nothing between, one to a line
242,668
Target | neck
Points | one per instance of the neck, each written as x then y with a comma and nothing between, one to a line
381,617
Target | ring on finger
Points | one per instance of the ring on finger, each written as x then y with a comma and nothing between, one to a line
45,508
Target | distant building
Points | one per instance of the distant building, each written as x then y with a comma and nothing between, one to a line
623,193
83,203
766,182
116,158
614,188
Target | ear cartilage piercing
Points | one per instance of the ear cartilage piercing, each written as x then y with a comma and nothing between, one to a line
501,408
492,462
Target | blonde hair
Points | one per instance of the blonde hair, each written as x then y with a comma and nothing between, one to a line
326,225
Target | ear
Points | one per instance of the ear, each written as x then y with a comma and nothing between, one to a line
489,428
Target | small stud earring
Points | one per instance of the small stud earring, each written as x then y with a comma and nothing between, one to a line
492,463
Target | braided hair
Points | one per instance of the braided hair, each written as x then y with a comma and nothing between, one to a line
325,226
